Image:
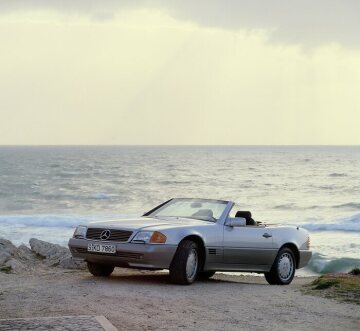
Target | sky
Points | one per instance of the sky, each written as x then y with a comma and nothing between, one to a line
184,72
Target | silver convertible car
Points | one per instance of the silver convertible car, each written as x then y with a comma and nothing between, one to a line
193,238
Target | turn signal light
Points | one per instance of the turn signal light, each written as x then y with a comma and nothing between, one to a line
158,238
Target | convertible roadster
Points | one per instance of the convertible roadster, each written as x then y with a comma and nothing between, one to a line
193,238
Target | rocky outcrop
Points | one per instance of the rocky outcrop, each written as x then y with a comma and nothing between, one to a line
54,255
42,254
9,257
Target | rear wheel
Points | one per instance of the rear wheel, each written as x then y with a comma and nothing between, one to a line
283,270
204,275
100,270
185,265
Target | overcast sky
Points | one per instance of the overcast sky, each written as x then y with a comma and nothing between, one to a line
179,72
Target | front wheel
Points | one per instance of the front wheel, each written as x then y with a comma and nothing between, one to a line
185,265
283,270
100,270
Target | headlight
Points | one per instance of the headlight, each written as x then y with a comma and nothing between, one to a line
80,232
149,237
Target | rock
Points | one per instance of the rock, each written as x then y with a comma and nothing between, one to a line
70,263
15,266
25,253
4,257
7,246
47,250
13,259
55,255
7,250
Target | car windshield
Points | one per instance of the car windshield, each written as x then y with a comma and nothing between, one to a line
206,210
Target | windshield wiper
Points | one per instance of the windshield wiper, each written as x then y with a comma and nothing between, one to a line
211,218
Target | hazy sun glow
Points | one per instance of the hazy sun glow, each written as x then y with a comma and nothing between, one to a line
145,77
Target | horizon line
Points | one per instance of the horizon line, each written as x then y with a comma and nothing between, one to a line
179,145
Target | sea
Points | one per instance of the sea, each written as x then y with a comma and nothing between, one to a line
46,191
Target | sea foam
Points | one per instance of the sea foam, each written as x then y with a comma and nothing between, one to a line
346,224
51,221
320,264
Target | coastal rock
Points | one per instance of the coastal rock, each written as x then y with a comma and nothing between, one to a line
54,255
70,263
4,257
7,250
15,266
7,246
42,254
25,253
47,250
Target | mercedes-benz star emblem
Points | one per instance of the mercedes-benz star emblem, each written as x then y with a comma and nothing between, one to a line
105,235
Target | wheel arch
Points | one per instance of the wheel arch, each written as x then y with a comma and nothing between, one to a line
295,250
201,244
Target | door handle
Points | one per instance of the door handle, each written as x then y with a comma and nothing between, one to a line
266,235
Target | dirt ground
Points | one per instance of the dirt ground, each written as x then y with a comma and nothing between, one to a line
135,300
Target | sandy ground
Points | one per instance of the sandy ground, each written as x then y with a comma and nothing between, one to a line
134,300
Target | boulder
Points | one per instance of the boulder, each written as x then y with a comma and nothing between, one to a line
25,253
47,250
7,250
4,257
15,266
7,246
55,255
70,263
19,259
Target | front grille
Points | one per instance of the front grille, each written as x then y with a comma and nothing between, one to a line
115,235
125,255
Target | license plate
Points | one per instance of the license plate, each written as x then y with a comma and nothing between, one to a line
102,248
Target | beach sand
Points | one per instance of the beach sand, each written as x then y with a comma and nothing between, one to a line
139,300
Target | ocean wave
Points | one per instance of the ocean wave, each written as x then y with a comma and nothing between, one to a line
352,205
49,221
322,265
286,206
337,174
326,187
347,224
104,196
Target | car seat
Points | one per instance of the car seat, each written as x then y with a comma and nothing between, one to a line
247,216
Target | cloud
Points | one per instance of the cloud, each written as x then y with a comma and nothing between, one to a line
305,22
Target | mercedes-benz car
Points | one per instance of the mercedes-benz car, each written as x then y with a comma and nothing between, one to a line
193,239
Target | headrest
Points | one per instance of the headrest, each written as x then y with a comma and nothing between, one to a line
244,214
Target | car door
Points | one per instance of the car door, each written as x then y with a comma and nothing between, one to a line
248,246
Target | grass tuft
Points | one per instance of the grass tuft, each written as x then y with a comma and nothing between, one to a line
323,283
342,286
355,272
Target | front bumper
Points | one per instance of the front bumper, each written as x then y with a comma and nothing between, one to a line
304,258
128,255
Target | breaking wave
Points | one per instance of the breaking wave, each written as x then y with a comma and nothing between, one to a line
52,221
320,264
104,196
352,205
286,206
347,224
336,174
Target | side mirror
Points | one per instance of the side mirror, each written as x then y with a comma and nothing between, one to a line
236,221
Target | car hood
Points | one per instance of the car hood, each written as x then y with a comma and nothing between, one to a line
147,223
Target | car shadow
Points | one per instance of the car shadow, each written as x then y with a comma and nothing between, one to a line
162,279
